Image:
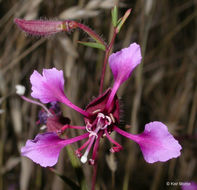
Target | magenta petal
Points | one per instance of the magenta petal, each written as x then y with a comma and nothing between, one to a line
44,149
157,144
49,86
124,61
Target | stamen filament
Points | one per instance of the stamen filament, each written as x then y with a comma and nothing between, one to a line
112,140
95,149
84,157
74,139
84,145
37,103
70,127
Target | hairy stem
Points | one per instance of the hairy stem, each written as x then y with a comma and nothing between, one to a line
90,32
107,53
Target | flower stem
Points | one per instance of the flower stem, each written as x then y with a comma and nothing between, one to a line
94,176
95,166
107,53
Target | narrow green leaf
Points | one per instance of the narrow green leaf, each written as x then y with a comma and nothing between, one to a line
93,45
122,20
68,181
77,167
91,33
114,14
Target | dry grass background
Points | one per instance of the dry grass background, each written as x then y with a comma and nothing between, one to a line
162,88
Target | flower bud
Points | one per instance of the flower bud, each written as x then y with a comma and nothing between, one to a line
44,27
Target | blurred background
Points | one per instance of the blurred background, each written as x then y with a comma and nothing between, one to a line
163,88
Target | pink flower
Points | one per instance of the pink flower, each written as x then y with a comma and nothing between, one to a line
101,118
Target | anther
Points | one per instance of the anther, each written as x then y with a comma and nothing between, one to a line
112,117
101,115
96,111
109,120
88,129
84,159
91,162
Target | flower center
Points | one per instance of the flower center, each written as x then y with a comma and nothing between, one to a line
101,122
96,129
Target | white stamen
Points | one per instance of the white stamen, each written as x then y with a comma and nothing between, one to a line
88,124
84,158
109,120
43,127
108,123
20,89
88,129
92,133
96,111
112,117
101,115
105,126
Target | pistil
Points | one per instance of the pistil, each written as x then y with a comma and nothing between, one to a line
102,122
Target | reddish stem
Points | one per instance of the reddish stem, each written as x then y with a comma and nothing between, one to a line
90,32
94,176
107,53
108,48
95,166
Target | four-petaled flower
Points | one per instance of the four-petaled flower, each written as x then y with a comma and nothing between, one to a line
101,117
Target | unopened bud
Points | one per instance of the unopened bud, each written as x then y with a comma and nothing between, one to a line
20,89
44,27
